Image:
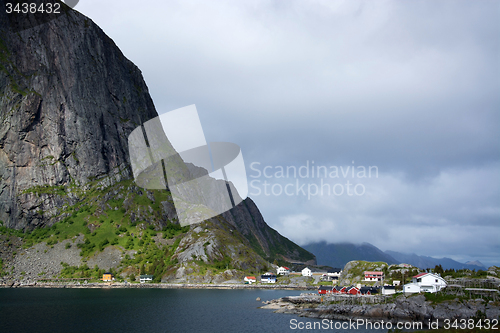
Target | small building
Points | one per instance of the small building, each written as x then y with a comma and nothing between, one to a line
268,278
250,279
343,290
425,282
396,282
368,290
283,270
388,290
334,273
336,290
373,276
352,290
107,277
306,272
323,290
146,278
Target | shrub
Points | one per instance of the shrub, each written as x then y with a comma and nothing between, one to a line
103,244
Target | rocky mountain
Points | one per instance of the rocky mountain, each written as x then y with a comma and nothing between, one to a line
264,239
477,263
68,101
339,254
430,262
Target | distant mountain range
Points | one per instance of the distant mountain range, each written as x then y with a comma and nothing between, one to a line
429,262
339,254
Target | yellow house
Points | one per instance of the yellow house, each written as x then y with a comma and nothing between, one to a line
107,277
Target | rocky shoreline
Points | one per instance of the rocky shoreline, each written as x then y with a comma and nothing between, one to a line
379,308
121,285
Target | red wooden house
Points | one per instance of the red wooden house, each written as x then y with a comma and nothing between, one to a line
353,291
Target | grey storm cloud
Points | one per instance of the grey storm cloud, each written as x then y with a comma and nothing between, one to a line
409,86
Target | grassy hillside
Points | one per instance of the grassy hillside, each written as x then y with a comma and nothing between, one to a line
140,225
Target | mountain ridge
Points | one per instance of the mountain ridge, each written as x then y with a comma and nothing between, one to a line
339,254
430,262
69,99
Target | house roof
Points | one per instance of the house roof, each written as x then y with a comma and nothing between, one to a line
373,273
325,288
251,277
285,268
146,276
420,275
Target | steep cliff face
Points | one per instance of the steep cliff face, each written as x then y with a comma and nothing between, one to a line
68,101
247,218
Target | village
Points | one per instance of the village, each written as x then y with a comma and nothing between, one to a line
373,282
353,280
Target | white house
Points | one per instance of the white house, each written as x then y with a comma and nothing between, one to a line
146,278
334,274
268,278
425,282
388,290
373,276
283,270
306,272
250,279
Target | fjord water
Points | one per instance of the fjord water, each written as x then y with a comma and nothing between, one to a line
141,310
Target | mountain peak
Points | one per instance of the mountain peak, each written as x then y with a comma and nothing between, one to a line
476,263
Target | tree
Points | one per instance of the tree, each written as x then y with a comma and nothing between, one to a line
143,269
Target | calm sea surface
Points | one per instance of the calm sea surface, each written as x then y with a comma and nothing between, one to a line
142,310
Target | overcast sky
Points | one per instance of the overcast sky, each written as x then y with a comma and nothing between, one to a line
410,88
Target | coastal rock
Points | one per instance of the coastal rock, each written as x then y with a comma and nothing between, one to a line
403,309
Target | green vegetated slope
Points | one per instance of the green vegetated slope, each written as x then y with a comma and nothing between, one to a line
353,271
142,225
65,124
